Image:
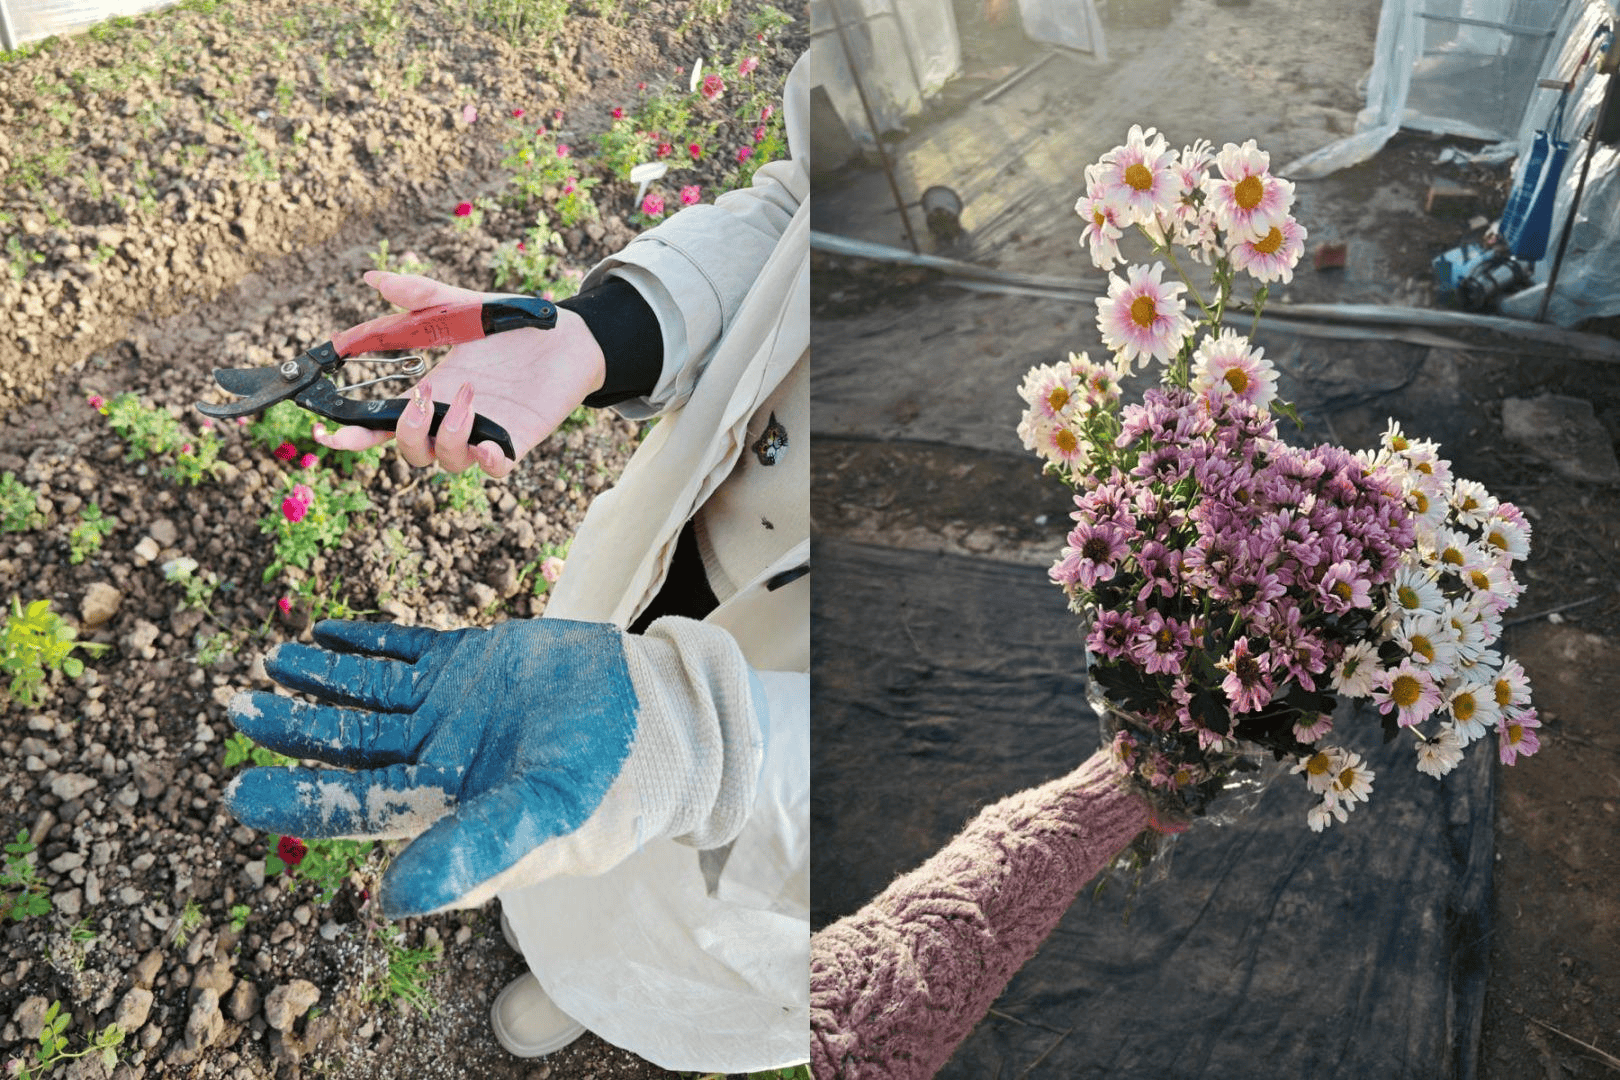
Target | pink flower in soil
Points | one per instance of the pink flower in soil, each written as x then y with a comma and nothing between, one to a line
291,851
517,114
469,113
664,150
241,421
759,133
96,401
744,152
557,115
308,461
464,209
541,130
551,569
690,194
748,65
618,113
653,205
1142,316
185,448
569,187
520,245
695,150
713,86
563,150
293,510
641,86
766,113
285,604
207,424
303,494
286,451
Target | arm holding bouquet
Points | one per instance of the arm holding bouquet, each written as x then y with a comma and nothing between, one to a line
1231,588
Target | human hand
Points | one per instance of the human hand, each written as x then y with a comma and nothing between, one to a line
511,754
526,380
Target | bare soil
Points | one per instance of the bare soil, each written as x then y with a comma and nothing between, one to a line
116,777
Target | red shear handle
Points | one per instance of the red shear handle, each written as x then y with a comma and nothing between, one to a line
446,324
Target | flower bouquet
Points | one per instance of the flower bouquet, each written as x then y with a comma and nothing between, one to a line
1233,587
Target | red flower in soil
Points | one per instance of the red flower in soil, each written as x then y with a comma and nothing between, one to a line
743,152
664,150
713,86
291,851
286,451
618,113
464,209
517,114
185,448
285,604
308,461
695,150
96,401
293,509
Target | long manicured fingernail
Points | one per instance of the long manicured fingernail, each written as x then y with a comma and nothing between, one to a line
421,405
460,409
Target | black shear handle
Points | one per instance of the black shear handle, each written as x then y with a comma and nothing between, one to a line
323,400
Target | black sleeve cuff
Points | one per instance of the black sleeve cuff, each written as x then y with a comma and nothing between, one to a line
625,327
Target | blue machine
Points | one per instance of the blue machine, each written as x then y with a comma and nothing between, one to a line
1475,277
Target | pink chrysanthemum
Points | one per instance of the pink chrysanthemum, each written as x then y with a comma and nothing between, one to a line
618,113
1227,366
695,150
308,461
1516,736
551,569
563,150
1247,199
1142,316
744,153
713,86
748,65
1272,256
96,401
653,205
1103,225
1248,681
691,194
293,510
464,209
1409,690
1092,555
1140,177
664,150
286,451
285,604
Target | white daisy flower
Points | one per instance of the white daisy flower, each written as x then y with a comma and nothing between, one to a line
1356,670
1322,814
1439,754
1320,768
1353,782
1430,641
1507,537
1472,705
1473,504
1415,589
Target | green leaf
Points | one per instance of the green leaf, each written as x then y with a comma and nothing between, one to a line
73,666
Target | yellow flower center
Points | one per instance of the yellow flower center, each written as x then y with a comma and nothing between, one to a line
1496,540
1139,176
1270,243
1318,764
1425,468
1469,504
1065,441
1504,692
1422,502
1143,311
1399,443
1347,778
1515,733
1098,217
1342,590
1405,691
1423,647
1452,556
1182,778
1058,398
1248,192
1408,597
1480,579
1237,379
1463,707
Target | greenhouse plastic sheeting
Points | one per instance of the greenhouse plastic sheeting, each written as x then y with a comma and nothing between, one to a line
1452,67
1589,278
905,51
1071,23
22,21
942,683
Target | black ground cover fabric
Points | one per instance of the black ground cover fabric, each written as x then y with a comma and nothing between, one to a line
942,683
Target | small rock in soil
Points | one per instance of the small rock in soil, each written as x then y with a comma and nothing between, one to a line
133,1009
69,786
244,1001
100,604
30,1017
286,1003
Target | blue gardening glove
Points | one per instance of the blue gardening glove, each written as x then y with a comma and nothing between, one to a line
536,748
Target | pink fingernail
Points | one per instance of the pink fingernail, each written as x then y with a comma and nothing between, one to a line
422,398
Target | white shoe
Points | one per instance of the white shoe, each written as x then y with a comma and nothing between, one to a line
528,1023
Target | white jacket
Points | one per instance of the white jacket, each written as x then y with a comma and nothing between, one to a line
702,962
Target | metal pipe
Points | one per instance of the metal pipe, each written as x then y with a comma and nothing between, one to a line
871,122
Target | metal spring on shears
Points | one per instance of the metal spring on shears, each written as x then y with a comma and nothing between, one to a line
412,366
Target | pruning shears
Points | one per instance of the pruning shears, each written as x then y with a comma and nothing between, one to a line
305,380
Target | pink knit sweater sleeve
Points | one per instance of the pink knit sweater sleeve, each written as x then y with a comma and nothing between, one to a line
897,985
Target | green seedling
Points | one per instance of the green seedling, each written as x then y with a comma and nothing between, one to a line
197,460
19,505
35,640
30,897
405,981
147,429
325,863
239,917
464,490
19,260
241,750
187,922
310,516
85,538
53,1044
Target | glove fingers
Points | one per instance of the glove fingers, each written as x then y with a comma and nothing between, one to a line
459,862
379,804
407,643
350,738
342,678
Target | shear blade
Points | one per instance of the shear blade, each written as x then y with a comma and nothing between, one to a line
263,387
242,381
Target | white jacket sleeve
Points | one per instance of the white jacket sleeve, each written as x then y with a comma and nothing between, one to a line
695,269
